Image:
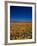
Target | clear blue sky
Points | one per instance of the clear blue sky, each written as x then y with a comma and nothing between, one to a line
20,14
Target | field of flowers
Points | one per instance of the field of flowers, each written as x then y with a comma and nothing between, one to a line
20,31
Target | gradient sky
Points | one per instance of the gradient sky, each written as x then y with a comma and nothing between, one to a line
20,14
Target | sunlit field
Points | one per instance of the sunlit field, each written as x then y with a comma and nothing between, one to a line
20,30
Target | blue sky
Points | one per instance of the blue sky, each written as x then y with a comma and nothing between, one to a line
20,14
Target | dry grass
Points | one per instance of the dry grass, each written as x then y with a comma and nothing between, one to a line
19,31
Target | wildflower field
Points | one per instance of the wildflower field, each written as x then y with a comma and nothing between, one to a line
20,30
